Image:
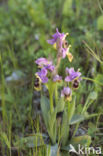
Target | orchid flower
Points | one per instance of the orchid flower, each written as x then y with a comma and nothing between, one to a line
66,93
62,46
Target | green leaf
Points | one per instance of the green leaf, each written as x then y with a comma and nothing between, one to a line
60,105
77,118
92,95
79,108
83,140
99,78
49,118
92,128
100,22
45,107
69,148
71,108
52,150
64,128
73,144
30,142
52,118
52,125
5,139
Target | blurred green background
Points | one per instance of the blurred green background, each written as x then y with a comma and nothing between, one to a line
25,26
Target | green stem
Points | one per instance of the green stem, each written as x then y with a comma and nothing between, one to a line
51,102
51,91
4,116
76,128
56,94
95,81
86,106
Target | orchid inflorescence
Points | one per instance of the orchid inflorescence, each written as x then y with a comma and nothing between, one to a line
48,71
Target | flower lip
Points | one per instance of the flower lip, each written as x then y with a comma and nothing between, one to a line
37,83
75,84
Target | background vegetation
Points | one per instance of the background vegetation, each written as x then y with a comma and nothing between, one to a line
25,25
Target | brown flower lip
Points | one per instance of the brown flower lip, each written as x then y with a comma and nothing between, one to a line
37,83
75,84
67,96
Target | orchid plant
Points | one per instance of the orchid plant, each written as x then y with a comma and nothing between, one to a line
59,109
